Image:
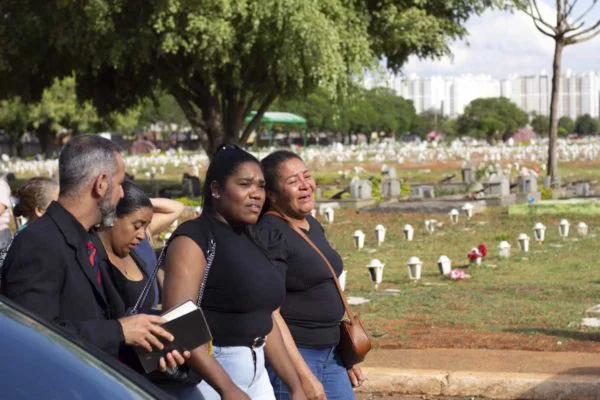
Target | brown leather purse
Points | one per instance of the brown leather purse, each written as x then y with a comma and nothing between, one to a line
355,342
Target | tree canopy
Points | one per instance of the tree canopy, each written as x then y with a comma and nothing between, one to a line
219,59
491,118
540,124
378,109
586,125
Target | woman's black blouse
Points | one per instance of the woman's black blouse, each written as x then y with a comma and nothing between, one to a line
130,290
243,287
312,307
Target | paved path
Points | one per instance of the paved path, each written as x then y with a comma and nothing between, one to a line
496,374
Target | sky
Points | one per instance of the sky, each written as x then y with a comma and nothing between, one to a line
502,44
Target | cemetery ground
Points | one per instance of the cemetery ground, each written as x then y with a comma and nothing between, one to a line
530,301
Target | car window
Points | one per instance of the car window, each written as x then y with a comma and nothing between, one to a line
41,362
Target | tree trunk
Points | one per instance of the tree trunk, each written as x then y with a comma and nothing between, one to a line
46,138
554,99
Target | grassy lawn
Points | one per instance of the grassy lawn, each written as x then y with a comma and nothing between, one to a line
542,291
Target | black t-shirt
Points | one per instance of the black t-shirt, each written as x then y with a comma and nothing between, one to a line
312,307
243,287
130,290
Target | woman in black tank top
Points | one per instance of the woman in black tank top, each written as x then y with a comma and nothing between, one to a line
241,290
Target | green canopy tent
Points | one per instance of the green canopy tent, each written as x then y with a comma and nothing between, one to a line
271,118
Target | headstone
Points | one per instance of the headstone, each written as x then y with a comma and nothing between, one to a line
428,192
191,185
563,228
444,265
528,184
582,189
547,183
414,268
390,188
388,172
523,241
342,279
416,192
375,268
360,189
468,175
498,185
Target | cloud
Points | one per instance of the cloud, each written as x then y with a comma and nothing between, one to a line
502,44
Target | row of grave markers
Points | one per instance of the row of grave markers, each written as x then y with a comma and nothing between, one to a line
415,265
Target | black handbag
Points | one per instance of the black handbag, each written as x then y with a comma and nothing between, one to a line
182,375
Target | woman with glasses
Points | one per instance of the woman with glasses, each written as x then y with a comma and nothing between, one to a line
240,290
312,310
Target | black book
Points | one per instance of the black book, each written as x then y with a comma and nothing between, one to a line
187,324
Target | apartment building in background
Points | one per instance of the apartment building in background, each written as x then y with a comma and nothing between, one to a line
449,95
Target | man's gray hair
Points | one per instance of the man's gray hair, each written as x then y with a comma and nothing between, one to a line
84,158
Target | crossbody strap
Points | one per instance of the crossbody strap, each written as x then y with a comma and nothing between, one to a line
316,249
209,255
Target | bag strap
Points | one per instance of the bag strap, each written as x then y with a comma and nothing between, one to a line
210,256
316,249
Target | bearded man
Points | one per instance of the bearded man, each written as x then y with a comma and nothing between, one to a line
54,269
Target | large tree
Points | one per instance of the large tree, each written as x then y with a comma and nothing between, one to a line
491,118
540,124
218,58
586,125
570,27
14,122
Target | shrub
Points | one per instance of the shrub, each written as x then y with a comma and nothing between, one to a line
547,193
190,202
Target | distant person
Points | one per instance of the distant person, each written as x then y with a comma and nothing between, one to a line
142,145
53,267
34,198
5,209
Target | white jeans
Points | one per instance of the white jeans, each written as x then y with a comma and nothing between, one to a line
245,366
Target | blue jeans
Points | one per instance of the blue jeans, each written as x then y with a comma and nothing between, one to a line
246,370
327,366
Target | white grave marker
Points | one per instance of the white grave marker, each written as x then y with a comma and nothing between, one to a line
380,234
504,249
359,239
409,232
582,229
414,268
342,279
563,228
445,265
454,215
376,271
329,214
523,240
468,210
539,232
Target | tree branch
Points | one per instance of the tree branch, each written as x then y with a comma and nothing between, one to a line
574,38
539,15
537,20
585,13
579,39
257,117
570,7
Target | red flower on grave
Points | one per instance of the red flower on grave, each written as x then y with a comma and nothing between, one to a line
473,255
482,250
